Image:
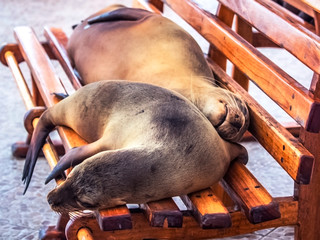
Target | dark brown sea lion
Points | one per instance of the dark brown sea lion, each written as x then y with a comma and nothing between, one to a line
145,143
137,45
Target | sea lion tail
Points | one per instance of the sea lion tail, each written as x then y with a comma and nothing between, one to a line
42,130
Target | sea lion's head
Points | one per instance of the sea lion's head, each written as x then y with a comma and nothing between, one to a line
227,112
87,187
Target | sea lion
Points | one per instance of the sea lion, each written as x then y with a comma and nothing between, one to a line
145,143
137,45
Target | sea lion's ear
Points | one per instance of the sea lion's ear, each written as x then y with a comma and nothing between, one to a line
122,14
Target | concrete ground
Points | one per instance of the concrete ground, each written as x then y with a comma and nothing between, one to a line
22,215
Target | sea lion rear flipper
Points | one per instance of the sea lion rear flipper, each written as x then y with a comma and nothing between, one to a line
122,14
61,96
72,158
38,139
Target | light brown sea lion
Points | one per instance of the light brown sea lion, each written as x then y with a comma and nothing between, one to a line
145,143
137,45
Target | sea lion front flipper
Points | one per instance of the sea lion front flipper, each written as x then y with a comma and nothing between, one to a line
72,158
122,14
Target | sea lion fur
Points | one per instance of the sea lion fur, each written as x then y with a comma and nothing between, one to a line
145,143
137,45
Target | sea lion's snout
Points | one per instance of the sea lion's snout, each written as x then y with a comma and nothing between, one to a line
234,125
62,199
228,114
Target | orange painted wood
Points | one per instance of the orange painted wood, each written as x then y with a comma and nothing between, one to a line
305,45
157,3
84,234
14,48
221,194
307,6
279,86
259,40
207,209
253,198
317,22
295,159
190,230
42,71
57,40
18,76
245,31
39,64
147,6
288,15
309,195
117,218
163,213
227,16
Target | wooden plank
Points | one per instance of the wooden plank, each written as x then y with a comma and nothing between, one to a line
245,31
117,218
309,195
39,64
253,198
317,22
18,76
304,45
14,48
207,209
163,213
259,40
57,40
279,86
190,230
47,82
84,234
287,14
227,16
307,6
295,159
148,5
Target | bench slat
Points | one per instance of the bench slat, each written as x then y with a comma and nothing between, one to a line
118,218
253,198
44,76
57,40
279,86
190,229
309,44
307,6
163,213
288,15
295,159
207,209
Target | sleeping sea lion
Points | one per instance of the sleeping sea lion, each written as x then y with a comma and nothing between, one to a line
137,45
145,143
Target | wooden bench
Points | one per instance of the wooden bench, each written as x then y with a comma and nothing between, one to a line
239,204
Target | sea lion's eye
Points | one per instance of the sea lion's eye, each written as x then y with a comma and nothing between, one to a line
87,205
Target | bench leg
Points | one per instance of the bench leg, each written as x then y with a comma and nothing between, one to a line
20,149
55,232
309,195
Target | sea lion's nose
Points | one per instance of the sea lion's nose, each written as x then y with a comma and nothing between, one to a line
236,124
